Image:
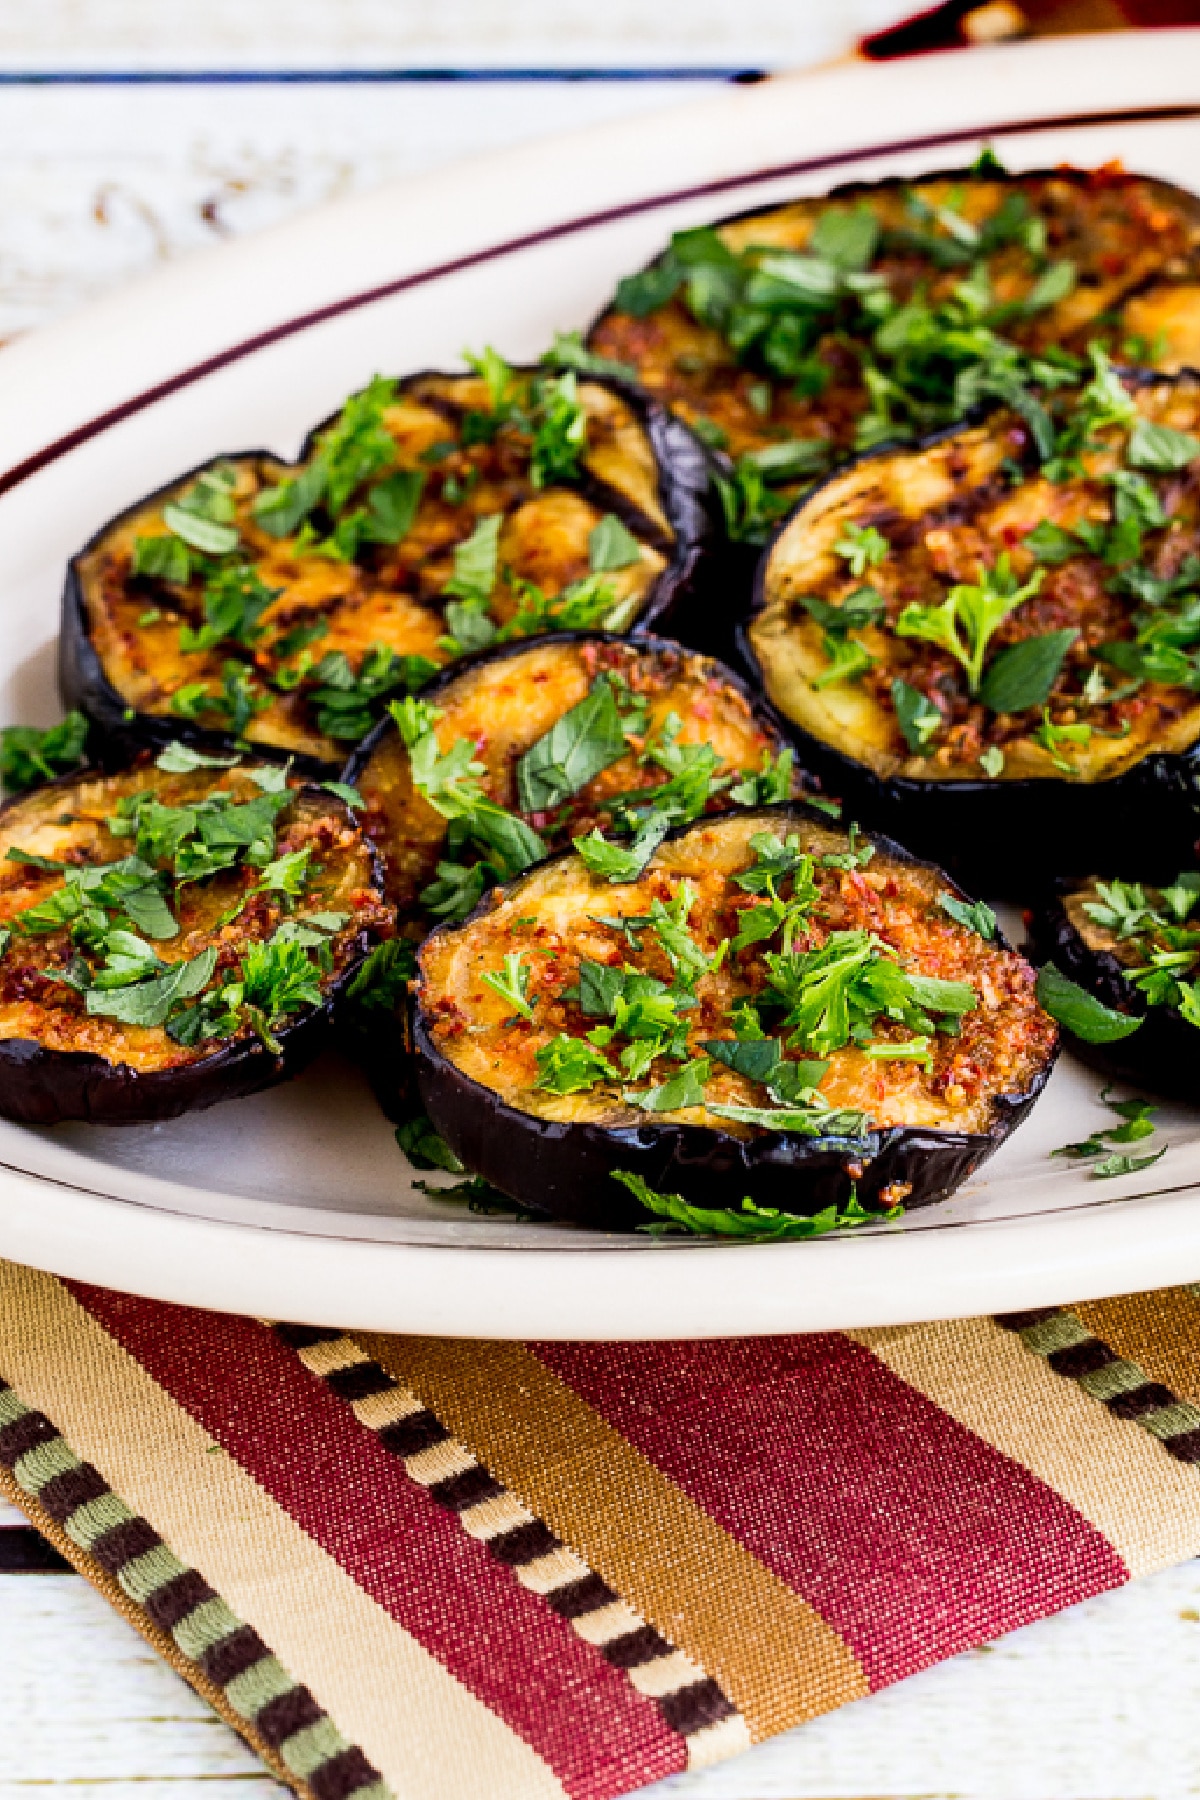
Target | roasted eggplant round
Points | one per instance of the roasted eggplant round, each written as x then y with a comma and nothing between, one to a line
509,758
990,646
173,936
282,605
1135,949
774,1009
791,337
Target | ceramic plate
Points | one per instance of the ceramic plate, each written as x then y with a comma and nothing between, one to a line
297,1203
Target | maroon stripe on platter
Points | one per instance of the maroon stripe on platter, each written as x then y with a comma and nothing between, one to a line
549,234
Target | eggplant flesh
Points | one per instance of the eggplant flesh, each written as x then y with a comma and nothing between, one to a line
1133,243
60,1060
506,701
333,618
1163,1054
919,1133
1006,799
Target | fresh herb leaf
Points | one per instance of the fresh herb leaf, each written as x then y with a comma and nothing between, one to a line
147,1003
755,1060
1022,675
181,759
162,558
29,756
512,983
968,618
771,785
476,561
682,1090
761,1224
1052,544
976,915
199,533
570,1065
1159,448
392,505
1119,1164
423,1146
560,432
381,980
568,351
457,891
611,546
918,718
862,547
1079,1012
350,796
618,862
584,741
1055,739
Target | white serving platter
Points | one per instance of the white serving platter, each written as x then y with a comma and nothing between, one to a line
296,1203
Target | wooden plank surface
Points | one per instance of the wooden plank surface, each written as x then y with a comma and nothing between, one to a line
1097,1704
100,181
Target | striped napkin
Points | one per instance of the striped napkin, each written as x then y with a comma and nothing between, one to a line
434,1569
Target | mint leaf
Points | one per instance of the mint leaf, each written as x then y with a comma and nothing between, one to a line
392,505
148,1002
181,759
583,742
611,546
1023,675
682,1090
1080,1012
201,534
1159,448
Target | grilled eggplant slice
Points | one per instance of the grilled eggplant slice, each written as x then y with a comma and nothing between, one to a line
998,658
569,736
173,936
774,1009
1136,949
282,604
792,337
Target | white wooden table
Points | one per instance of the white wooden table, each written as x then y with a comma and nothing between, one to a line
102,176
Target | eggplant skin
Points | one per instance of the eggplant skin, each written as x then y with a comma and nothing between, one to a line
565,1169
1015,835
1162,1055
40,1085
660,488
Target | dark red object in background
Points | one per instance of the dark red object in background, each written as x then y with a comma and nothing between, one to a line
962,22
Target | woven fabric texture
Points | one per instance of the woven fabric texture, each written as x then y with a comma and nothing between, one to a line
430,1568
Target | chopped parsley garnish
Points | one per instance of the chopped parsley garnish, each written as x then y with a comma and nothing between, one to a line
968,618
29,756
512,983
570,1065
380,983
1138,1124
751,1223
